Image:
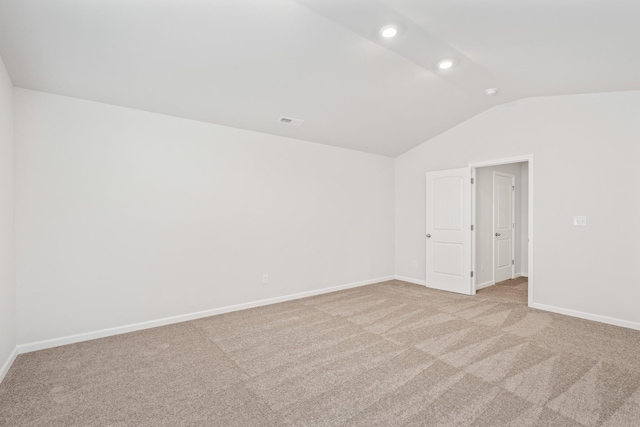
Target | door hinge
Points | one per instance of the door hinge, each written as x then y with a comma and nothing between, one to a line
472,180
513,262
514,187
472,274
471,227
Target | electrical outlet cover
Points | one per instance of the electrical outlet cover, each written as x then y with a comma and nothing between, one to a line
580,221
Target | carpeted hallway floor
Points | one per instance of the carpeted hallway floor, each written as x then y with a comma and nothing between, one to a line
390,354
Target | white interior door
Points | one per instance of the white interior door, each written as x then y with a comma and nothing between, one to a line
448,233
504,225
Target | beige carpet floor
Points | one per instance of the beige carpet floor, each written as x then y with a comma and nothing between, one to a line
390,354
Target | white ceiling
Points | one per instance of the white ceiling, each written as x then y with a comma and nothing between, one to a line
245,63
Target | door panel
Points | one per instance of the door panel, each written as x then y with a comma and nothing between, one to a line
504,253
448,241
503,187
448,258
447,199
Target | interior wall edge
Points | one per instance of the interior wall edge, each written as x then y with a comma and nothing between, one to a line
7,223
8,363
411,280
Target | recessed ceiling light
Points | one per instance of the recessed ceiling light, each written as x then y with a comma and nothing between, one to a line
388,31
445,64
491,91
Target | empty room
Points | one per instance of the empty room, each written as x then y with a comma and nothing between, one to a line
319,213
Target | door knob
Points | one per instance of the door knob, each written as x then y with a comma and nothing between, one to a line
497,234
428,236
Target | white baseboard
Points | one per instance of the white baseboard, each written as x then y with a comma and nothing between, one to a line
485,285
521,275
87,336
588,316
411,280
7,364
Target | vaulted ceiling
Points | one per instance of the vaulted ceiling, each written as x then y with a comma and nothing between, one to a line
246,63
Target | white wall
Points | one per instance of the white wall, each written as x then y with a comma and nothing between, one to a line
484,220
7,234
125,216
586,151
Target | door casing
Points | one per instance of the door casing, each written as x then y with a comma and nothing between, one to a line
530,267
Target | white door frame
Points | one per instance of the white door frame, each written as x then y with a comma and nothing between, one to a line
519,159
493,225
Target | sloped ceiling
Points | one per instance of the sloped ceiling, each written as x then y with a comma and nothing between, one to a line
246,63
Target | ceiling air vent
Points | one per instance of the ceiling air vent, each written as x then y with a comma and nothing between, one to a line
290,121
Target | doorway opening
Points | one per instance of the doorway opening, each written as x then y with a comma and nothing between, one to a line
502,217
467,247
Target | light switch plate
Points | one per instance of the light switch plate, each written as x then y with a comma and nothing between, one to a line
580,221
